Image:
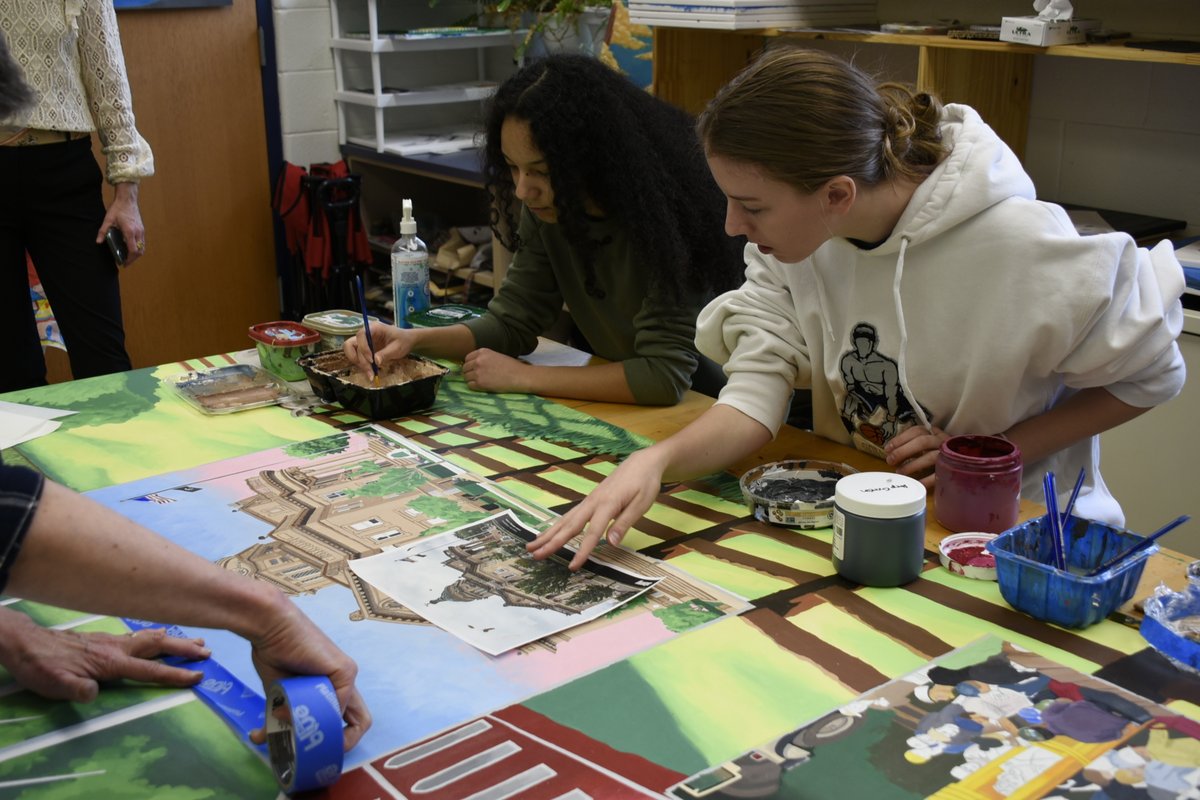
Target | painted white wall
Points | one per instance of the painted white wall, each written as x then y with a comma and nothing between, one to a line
1116,134
1149,464
304,61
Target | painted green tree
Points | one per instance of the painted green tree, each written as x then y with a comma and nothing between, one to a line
125,396
685,616
443,508
641,600
313,448
395,481
533,417
362,469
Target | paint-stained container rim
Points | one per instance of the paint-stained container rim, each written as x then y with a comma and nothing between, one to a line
967,554
767,492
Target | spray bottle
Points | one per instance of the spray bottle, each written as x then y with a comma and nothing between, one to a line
410,270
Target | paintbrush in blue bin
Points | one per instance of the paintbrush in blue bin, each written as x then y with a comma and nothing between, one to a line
362,303
1054,522
1066,514
1139,546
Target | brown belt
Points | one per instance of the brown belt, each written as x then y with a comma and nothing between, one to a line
28,136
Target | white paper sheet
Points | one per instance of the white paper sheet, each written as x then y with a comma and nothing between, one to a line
21,423
477,583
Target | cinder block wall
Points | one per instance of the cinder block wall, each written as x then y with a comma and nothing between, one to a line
305,64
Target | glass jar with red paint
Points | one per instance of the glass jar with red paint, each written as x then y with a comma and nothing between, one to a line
978,485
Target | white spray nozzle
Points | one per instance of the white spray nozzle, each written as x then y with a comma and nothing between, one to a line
407,223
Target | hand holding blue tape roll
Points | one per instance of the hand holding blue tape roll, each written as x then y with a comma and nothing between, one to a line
301,719
304,733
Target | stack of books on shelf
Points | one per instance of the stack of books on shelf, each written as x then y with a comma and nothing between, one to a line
747,14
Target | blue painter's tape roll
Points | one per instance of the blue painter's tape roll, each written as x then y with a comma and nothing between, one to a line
304,733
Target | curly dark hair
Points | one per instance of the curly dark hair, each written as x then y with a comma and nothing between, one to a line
635,157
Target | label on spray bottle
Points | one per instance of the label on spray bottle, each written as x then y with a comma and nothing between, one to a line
410,282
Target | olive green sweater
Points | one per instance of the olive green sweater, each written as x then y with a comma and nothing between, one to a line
653,339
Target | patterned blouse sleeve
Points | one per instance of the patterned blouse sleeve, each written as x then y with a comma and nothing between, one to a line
102,67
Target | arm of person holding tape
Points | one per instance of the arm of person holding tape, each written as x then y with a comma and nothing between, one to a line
59,547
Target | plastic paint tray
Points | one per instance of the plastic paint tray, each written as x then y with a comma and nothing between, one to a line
1029,583
798,494
225,390
331,377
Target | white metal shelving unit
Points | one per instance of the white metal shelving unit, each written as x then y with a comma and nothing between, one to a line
380,68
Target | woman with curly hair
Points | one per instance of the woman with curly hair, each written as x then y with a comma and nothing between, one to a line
902,267
603,195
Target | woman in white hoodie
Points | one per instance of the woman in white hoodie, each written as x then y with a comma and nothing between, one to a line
900,265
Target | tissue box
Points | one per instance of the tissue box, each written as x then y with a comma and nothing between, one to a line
1045,32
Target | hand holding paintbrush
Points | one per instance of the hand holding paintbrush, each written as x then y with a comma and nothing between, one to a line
362,302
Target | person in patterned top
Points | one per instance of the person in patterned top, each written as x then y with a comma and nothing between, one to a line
69,52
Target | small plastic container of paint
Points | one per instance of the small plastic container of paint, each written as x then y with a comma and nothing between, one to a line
335,326
978,484
879,528
280,344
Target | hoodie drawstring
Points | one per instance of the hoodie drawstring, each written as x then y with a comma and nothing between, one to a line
900,359
823,305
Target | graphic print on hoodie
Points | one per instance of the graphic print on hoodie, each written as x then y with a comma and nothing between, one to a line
875,407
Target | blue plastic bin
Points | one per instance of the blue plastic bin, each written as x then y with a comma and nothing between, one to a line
1030,583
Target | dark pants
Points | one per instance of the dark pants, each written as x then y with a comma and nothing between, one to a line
52,206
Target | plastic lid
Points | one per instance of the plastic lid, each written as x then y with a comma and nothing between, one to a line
337,321
880,495
408,225
283,334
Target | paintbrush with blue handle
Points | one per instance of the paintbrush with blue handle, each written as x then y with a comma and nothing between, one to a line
1066,514
1139,546
362,303
1054,522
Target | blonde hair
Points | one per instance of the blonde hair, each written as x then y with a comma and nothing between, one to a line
805,116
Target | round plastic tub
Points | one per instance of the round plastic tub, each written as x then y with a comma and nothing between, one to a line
280,344
798,494
335,326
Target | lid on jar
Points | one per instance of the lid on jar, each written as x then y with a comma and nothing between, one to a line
283,334
338,321
882,495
